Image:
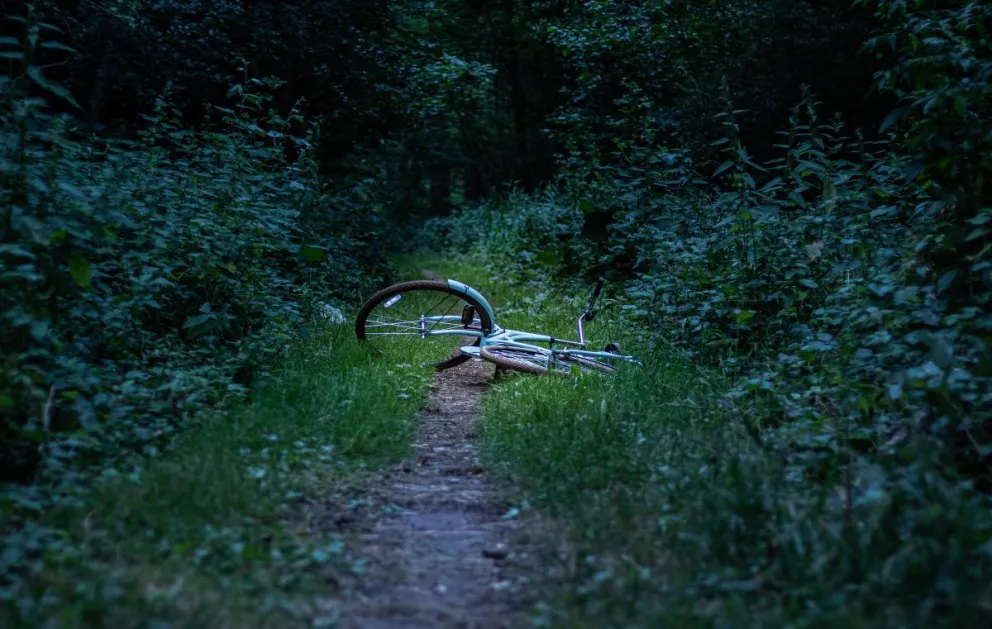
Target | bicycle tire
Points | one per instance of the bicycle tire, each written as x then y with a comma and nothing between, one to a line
422,285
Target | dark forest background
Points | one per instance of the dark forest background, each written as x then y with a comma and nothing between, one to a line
794,192
463,98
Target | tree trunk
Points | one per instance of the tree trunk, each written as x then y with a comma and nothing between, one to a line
440,188
96,94
517,102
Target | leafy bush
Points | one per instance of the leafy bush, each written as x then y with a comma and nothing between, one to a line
232,523
842,287
519,236
665,509
146,279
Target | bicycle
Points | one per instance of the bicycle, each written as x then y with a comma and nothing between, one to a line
440,318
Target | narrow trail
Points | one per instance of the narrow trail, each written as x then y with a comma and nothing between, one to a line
439,560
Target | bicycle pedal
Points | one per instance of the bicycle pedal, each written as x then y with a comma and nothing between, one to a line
612,348
468,315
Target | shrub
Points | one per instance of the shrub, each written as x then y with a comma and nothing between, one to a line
146,279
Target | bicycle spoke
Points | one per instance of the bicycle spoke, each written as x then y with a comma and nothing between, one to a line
444,315
410,325
418,322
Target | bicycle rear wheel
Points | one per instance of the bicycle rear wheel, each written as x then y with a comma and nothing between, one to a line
541,361
420,321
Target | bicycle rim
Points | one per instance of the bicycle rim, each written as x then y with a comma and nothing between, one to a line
418,322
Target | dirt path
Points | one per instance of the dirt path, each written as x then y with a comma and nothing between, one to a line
439,560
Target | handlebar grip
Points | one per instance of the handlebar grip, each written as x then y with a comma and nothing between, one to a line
599,287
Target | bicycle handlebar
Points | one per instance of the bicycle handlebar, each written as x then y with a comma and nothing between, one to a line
589,312
596,291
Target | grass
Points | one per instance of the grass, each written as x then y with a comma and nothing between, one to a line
662,503
594,458
658,500
228,528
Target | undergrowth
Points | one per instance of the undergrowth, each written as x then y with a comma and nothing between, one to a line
233,523
837,295
663,505
146,279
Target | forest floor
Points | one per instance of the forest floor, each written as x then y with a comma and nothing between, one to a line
441,558
361,493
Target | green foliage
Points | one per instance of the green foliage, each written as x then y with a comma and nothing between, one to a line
943,63
146,280
519,236
339,55
229,523
679,59
668,507
837,472
826,461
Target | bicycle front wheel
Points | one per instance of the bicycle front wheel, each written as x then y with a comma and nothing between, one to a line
541,361
422,321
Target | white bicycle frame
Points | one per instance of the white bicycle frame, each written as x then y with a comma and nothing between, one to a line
514,338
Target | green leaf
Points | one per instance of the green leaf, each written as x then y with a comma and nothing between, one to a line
747,160
587,207
893,118
798,198
724,166
320,556
942,352
548,256
54,45
744,316
79,268
36,75
977,233
5,401
313,253
198,320
16,251
895,390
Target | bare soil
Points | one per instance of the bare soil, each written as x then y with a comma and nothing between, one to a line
440,556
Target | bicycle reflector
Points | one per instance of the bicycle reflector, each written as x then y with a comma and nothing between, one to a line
468,315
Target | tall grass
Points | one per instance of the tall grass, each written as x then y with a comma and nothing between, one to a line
230,526
663,506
